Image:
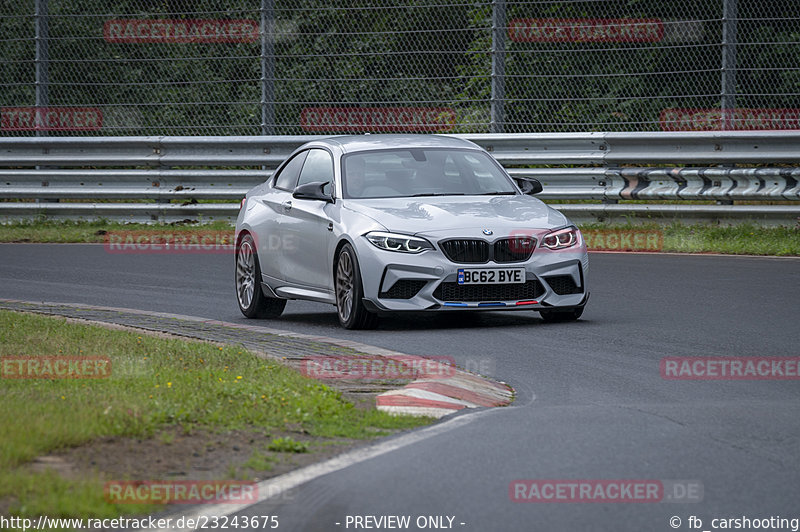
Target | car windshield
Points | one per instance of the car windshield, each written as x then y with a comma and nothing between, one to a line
421,172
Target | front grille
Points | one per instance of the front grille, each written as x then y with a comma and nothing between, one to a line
563,285
517,249
466,250
403,289
488,292
475,251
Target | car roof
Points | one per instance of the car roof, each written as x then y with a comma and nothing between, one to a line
354,143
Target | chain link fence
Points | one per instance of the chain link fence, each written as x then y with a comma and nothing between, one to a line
287,67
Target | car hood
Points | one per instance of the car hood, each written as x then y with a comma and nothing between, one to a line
431,215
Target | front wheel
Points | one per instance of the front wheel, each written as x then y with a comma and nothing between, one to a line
551,316
252,301
350,292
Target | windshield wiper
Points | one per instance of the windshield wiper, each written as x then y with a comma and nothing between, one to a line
437,194
498,194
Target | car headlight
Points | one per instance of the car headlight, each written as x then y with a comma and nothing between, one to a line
562,239
397,242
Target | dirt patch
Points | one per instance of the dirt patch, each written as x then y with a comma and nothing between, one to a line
175,455
199,455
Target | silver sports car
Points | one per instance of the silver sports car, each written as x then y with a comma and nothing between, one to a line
388,223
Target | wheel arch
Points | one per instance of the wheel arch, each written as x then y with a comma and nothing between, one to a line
239,235
339,245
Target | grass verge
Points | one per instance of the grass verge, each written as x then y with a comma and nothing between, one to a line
744,239
93,232
159,391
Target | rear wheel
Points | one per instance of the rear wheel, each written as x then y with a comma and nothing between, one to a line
252,301
561,315
350,292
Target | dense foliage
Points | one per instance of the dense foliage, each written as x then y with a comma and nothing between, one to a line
402,54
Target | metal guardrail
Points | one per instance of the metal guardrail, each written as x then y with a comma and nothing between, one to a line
606,166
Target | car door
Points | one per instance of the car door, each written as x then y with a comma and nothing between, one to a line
305,227
266,226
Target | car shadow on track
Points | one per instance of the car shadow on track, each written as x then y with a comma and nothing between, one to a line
420,321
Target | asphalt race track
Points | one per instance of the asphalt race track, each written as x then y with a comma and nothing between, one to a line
591,403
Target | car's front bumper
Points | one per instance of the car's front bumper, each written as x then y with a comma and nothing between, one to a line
428,281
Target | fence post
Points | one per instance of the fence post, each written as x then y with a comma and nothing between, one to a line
729,42
42,75
267,67
497,119
42,81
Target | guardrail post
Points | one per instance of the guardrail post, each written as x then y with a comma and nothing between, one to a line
497,119
729,43
267,67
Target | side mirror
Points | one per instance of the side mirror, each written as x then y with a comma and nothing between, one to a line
528,185
313,191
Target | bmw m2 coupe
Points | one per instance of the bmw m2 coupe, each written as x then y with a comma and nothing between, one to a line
376,224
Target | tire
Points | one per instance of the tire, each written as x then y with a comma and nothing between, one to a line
552,316
252,301
350,292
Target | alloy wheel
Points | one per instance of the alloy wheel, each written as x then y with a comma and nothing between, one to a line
344,286
245,273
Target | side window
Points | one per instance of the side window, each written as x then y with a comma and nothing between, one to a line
287,178
318,167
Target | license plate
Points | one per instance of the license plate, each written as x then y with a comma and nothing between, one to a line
491,276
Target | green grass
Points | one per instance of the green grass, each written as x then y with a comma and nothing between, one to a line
155,384
288,445
744,239
260,461
92,232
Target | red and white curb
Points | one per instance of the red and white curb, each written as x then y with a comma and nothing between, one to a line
439,397
435,397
